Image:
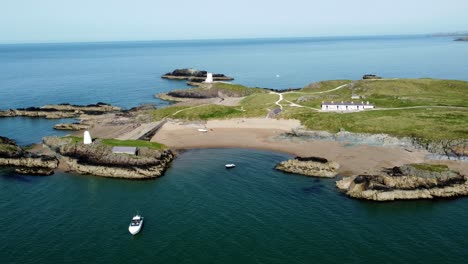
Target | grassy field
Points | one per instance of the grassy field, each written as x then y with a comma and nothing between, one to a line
257,104
215,90
123,143
428,123
433,123
388,93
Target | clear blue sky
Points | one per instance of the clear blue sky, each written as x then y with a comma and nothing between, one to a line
122,20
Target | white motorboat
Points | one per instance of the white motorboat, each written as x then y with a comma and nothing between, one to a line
135,224
202,130
230,165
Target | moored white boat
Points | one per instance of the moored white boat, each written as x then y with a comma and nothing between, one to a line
230,165
135,224
202,130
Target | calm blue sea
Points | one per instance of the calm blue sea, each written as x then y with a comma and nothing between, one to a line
199,212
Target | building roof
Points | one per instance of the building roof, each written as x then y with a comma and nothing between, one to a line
125,150
345,103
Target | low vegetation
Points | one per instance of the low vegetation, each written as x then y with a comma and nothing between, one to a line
123,143
431,167
424,108
215,90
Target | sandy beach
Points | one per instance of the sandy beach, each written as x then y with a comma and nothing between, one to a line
264,134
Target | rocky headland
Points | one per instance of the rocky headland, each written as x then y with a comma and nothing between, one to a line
24,162
310,166
193,75
412,181
61,111
98,159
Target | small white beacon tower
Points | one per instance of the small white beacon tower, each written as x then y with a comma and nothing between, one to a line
209,77
87,138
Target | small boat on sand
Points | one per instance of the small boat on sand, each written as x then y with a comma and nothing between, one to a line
230,165
135,224
202,130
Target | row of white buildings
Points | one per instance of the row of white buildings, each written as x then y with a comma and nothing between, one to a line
346,106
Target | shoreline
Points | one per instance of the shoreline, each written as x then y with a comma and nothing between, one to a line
265,134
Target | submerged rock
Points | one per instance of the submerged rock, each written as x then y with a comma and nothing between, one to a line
411,181
310,166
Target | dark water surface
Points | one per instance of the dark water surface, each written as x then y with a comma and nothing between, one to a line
199,212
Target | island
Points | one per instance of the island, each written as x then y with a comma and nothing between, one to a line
194,75
410,122
461,39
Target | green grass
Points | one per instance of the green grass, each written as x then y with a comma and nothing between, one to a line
430,167
241,90
8,148
215,90
426,123
254,105
324,85
123,143
132,143
389,93
75,139
429,123
162,113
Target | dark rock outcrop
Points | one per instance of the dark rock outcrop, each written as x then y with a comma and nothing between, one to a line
11,155
61,111
98,159
310,166
412,181
72,126
194,75
371,77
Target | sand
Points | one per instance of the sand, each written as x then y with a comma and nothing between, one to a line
265,134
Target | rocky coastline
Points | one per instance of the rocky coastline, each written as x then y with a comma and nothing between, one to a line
61,111
441,150
310,166
98,159
24,162
407,182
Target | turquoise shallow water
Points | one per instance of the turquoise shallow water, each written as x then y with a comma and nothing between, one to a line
199,212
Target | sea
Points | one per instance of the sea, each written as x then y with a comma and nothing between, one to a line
199,212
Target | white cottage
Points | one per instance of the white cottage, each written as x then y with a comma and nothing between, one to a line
346,106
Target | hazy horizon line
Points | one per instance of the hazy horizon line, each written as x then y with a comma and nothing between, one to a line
439,34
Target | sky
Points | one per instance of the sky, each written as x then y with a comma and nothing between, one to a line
41,21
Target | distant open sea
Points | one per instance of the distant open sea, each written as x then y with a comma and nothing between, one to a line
199,212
